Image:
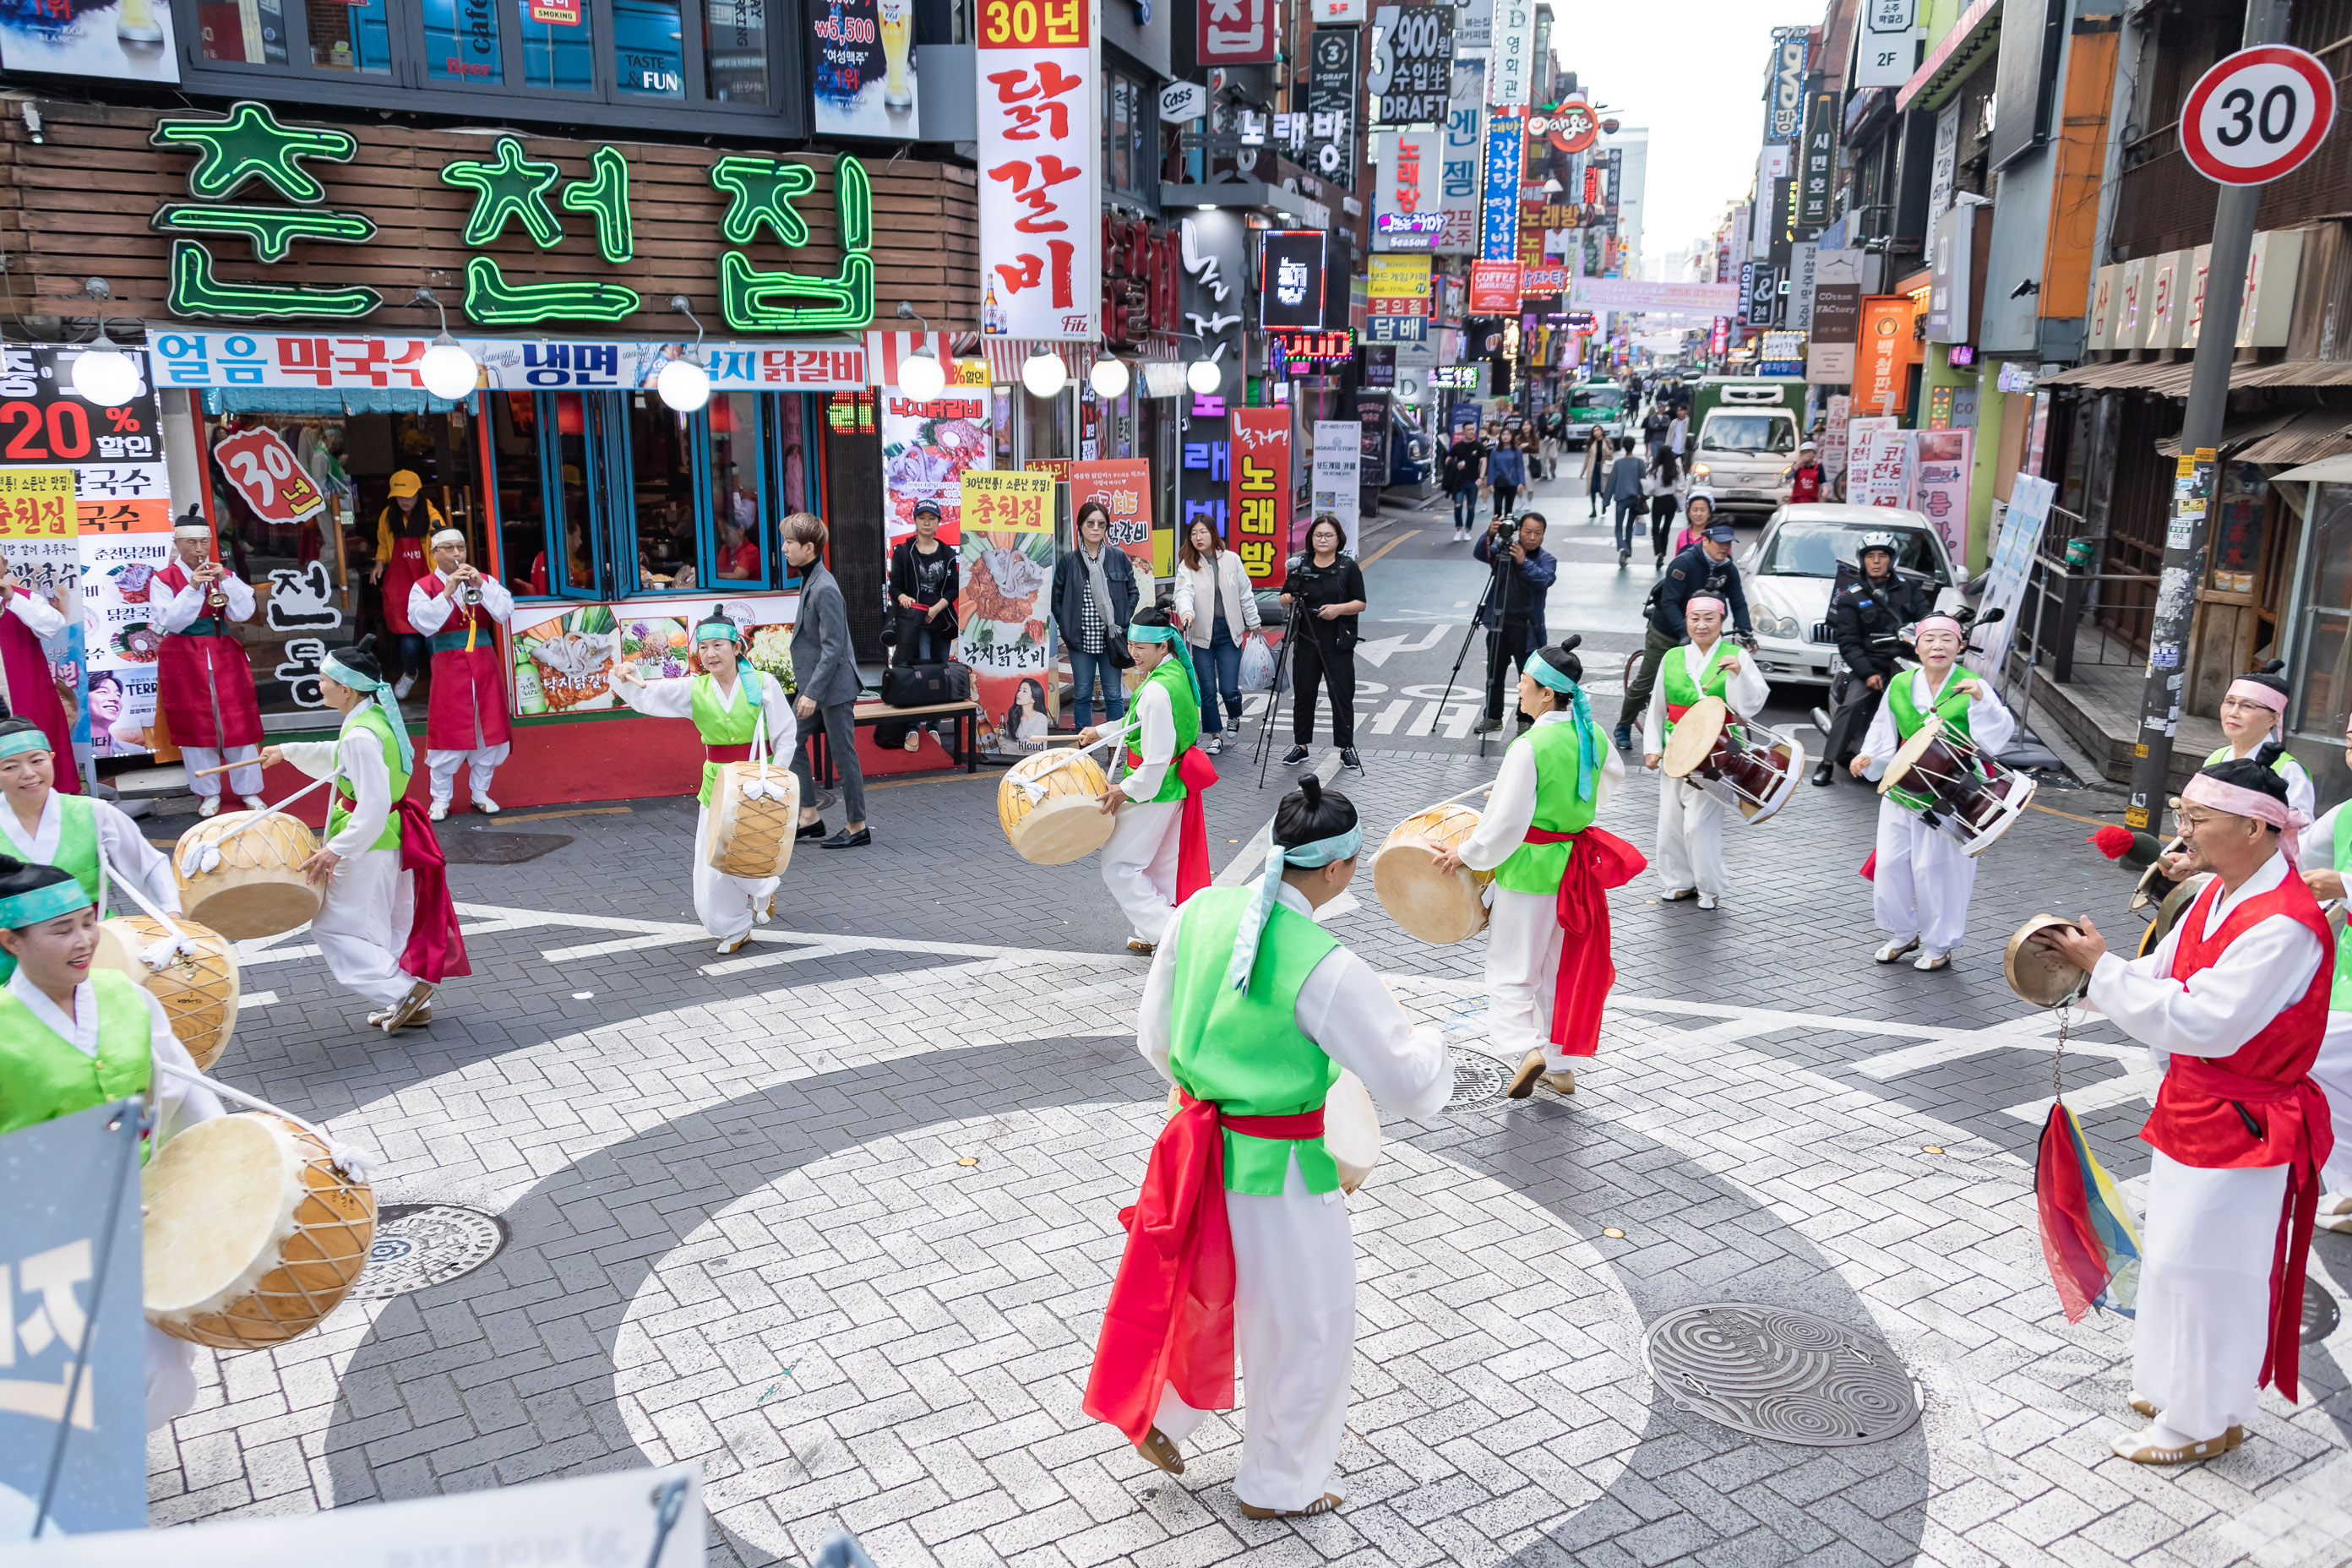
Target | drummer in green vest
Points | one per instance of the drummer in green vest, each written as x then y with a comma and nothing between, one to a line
1241,1237
2253,711
74,1037
1690,820
1549,969
1920,879
2325,857
732,705
75,832
1158,851
380,926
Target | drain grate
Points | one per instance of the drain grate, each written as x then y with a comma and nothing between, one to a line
1477,1080
2320,1312
419,1245
1787,1375
484,846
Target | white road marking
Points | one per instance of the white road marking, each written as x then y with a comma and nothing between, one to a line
256,999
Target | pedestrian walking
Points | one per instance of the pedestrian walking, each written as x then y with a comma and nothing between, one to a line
1805,476
1514,615
826,672
1465,469
1548,430
1706,567
1095,596
1506,470
1625,492
1213,605
1596,469
1325,593
1663,487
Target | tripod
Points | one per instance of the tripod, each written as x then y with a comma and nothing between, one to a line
1274,692
1494,580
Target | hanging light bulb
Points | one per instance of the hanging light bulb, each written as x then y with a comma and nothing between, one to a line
1204,376
1044,374
921,376
684,384
105,375
447,370
1109,378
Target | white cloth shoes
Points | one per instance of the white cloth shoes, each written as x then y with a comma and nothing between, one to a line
438,809
1895,951
1707,901
401,688
486,805
1930,961
254,803
209,805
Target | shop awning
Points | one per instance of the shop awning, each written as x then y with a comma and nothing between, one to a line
2236,433
2170,378
1976,34
1005,355
2334,470
2310,436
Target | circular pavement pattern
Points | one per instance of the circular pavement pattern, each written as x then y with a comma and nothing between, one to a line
419,1245
1782,1374
1477,1079
2320,1312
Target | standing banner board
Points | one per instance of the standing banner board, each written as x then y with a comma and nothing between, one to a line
1260,493
1124,486
56,1178
2013,565
927,447
1040,103
1941,464
1878,470
1007,556
1339,475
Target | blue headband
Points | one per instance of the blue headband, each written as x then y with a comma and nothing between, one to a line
336,670
718,628
45,902
1588,748
17,742
1147,633
1320,852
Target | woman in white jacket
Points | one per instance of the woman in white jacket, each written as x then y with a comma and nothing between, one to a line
1214,605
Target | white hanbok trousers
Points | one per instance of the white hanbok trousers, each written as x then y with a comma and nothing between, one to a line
362,925
481,763
1138,864
171,1377
723,903
244,781
1295,1328
1690,838
1923,880
2205,1292
2333,1073
1523,941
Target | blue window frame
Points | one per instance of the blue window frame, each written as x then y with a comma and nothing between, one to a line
461,43
559,43
648,49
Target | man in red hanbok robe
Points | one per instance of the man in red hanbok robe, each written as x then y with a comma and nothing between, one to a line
29,679
466,713
203,681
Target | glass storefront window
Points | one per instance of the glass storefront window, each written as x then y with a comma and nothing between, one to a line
735,49
461,42
648,49
661,482
734,420
559,43
351,37
2324,641
246,32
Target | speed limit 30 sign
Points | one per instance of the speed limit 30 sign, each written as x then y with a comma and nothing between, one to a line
2257,115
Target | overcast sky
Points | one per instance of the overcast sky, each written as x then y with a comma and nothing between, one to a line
1693,72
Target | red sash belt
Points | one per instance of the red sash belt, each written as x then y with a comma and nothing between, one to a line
436,948
1170,1319
1674,712
1192,871
1597,861
742,754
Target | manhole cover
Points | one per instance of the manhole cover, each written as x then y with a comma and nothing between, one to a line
481,847
1787,1375
1477,1080
419,1245
2320,1312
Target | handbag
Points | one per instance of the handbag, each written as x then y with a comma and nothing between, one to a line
917,685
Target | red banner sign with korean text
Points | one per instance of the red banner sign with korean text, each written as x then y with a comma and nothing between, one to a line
1235,32
1123,485
1260,493
1494,288
1040,169
268,476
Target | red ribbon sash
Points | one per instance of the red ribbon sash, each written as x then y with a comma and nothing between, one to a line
742,754
1598,860
436,948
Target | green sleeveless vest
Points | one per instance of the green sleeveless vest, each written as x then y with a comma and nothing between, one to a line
2339,998
1538,868
1951,705
1168,676
43,1076
724,721
368,716
1682,691
1243,1048
77,853
2278,763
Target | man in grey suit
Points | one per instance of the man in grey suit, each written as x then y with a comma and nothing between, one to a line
826,672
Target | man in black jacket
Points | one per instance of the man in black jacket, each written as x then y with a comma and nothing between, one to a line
1874,605
1465,465
1707,567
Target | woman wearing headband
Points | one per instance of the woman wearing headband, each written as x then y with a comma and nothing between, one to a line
1241,1237
74,833
2252,712
732,705
385,924
1158,851
1547,964
74,1037
1690,820
465,711
2232,1004
1921,882
203,682
2324,855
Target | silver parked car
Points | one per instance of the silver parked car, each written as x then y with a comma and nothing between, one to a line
1789,573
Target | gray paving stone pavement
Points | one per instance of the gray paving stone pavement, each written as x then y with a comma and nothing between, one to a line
744,1229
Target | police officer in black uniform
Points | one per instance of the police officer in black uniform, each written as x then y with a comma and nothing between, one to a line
1706,567
1864,614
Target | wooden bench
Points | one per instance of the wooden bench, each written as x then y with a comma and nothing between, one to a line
966,715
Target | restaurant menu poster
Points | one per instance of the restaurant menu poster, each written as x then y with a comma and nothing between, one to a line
1007,556
926,448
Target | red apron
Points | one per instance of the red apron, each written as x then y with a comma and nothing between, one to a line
33,694
467,709
1192,870
1597,861
1170,1319
202,671
2257,1105
402,572
435,948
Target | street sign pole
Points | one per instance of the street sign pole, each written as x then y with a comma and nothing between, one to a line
2188,533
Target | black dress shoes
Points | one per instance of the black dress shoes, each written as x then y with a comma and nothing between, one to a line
1825,771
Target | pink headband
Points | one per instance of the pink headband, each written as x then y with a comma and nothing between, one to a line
1696,600
1937,622
2255,692
2240,801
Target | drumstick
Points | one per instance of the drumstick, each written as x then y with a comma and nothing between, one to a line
179,937
187,867
224,768
349,1159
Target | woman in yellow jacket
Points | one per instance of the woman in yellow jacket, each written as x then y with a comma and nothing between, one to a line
407,521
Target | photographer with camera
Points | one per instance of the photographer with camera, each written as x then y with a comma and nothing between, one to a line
1865,615
1513,611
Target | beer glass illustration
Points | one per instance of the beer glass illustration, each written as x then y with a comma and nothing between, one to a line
895,22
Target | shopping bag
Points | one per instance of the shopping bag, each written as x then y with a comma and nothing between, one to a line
1258,665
